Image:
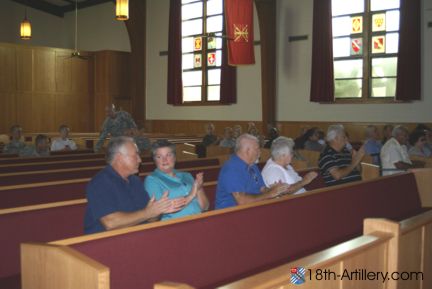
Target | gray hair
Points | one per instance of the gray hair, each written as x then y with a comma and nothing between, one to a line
398,130
241,138
333,131
162,143
281,146
115,146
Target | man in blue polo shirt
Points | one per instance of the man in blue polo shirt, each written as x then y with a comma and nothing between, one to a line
116,196
240,181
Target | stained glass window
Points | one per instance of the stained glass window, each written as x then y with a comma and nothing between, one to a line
365,47
202,24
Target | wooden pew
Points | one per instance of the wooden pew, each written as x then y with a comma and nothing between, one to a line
84,170
43,223
311,157
30,160
244,240
386,246
56,191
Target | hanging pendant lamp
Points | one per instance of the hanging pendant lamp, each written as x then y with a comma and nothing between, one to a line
25,28
122,10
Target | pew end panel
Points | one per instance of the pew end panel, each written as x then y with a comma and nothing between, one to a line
424,184
367,251
409,249
369,171
51,266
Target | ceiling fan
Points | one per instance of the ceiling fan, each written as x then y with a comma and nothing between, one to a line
76,53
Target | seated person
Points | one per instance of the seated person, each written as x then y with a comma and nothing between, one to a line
41,147
372,144
210,138
418,141
394,153
16,145
428,133
228,140
142,142
178,184
273,134
337,164
278,168
116,197
387,133
312,140
63,143
253,130
240,181
237,131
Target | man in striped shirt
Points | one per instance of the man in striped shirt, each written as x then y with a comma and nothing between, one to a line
337,164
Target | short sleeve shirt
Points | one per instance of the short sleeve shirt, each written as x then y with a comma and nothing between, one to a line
108,193
179,186
273,173
237,176
330,159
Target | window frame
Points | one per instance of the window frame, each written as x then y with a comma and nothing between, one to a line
204,51
367,57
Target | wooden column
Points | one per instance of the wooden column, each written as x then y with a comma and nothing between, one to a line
267,23
136,26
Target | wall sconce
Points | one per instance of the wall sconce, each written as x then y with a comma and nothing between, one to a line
122,10
25,28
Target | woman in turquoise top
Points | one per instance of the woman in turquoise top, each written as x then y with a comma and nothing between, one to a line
166,179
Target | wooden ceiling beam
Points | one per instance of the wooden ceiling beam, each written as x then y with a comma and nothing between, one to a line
43,6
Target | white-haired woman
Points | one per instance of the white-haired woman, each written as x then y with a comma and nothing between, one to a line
279,170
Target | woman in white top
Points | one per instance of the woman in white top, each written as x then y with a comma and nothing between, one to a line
63,143
279,170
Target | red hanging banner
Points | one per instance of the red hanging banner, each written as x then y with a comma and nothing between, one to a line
239,29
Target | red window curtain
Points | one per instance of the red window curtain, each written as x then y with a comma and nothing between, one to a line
228,90
322,79
408,86
174,85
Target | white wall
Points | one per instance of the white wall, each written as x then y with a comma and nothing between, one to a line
248,105
294,71
97,29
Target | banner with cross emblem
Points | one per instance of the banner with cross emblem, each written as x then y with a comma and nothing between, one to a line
239,30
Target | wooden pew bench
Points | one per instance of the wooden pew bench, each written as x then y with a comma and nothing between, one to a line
42,223
239,241
21,160
33,193
57,191
88,170
386,246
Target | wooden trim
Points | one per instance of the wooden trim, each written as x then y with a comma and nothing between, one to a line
42,206
369,171
332,257
424,185
47,266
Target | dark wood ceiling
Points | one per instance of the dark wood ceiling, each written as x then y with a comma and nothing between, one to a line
59,7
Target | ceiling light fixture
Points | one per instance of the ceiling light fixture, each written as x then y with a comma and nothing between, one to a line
25,28
122,10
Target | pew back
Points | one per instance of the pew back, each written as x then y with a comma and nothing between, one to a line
248,239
